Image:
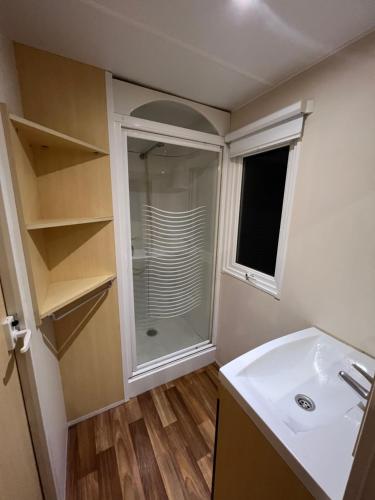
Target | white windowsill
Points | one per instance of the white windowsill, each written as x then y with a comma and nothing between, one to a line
262,281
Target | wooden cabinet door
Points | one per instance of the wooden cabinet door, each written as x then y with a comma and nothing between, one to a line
247,467
18,471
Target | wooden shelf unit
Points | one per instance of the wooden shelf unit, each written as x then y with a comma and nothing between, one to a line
62,293
52,223
38,135
62,182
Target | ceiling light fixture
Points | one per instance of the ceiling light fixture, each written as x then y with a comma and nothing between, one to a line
245,4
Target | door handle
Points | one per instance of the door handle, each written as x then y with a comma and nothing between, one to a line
12,335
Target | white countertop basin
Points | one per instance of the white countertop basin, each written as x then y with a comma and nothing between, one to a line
317,444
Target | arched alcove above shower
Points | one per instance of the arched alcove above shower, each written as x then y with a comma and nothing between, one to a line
174,113
140,102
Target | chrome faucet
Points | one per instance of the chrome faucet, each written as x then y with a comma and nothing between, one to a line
362,391
363,372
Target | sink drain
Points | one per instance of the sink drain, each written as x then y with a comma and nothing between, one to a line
305,402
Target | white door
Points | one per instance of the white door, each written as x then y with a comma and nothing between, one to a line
18,471
173,194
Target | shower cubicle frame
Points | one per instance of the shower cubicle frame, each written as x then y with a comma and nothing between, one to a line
153,373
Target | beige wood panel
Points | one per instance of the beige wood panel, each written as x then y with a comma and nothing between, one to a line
64,294
18,473
38,135
26,177
37,252
247,466
79,251
28,194
90,361
48,223
60,183
63,94
73,184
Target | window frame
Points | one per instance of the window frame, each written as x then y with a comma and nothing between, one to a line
267,283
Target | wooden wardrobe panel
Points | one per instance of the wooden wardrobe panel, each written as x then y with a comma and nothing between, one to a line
63,94
91,361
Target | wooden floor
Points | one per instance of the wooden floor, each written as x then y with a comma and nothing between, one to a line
157,446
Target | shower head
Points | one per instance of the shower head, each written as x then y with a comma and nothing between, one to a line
146,153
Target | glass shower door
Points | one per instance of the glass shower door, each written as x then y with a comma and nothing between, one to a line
173,208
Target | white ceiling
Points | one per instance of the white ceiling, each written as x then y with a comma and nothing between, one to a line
218,52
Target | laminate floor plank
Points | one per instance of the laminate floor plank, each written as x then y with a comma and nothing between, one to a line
132,410
108,478
87,458
157,446
186,388
163,407
187,424
103,434
160,445
213,372
128,470
153,485
207,429
205,465
203,394
72,465
191,476
208,386
88,487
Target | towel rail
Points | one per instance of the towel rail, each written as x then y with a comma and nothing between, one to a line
101,293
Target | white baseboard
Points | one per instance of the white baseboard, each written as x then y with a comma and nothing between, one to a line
163,374
94,413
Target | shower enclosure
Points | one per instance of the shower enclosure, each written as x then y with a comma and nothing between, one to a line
173,197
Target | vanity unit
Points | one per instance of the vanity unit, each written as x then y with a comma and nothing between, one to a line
247,466
288,421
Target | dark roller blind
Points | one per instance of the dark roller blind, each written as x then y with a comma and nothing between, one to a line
262,194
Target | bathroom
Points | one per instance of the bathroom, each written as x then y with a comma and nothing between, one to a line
187,252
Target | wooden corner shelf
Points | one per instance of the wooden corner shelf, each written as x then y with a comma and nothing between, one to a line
38,135
62,293
52,223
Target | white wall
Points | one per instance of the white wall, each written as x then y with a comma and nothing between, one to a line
45,366
330,269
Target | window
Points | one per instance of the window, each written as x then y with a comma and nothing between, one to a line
259,186
261,204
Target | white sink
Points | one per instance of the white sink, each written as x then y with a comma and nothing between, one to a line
317,444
